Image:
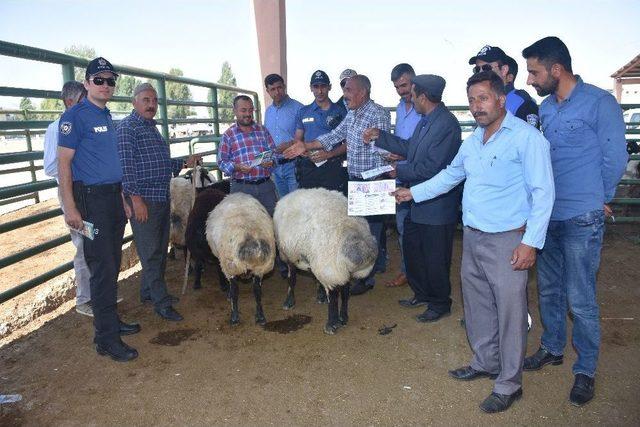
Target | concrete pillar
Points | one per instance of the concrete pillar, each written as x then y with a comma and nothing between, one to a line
618,89
271,28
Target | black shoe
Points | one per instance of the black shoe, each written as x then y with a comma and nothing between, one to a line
582,390
129,328
118,351
539,359
497,402
467,373
411,302
430,315
360,288
168,313
172,299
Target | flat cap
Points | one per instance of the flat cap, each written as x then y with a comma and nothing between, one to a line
347,74
430,83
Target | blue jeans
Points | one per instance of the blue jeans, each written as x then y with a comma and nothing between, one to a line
567,267
284,176
402,211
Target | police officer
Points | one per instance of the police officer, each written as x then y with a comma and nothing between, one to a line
518,102
90,178
321,168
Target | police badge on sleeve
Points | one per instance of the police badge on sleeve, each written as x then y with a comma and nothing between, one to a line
65,128
532,119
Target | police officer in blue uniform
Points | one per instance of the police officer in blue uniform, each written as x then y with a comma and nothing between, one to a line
315,119
90,178
519,102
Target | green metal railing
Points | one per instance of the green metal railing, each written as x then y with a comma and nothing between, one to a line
26,124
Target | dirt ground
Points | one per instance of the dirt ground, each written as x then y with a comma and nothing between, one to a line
203,372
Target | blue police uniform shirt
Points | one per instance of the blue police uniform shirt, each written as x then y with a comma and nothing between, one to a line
315,121
520,104
89,130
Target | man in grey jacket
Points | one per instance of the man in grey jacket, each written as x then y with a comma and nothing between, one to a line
430,225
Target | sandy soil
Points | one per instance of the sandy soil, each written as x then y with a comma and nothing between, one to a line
203,372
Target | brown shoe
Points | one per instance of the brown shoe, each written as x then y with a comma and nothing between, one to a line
400,280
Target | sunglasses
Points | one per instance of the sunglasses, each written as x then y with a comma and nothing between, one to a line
485,67
99,81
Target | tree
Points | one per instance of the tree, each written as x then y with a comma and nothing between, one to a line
224,97
178,92
26,104
51,104
81,51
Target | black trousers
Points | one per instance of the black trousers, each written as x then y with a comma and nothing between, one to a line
427,255
101,205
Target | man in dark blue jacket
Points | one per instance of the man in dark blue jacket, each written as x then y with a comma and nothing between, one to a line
430,225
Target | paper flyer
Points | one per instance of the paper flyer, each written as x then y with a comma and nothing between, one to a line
371,198
89,231
263,157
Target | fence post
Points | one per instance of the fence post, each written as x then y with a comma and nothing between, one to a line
68,73
162,91
27,133
214,109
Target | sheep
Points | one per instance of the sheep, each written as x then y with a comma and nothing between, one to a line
240,234
314,232
182,199
195,233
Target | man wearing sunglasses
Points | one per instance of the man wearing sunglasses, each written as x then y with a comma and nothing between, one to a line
90,178
519,102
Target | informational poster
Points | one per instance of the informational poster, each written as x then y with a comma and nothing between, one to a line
371,197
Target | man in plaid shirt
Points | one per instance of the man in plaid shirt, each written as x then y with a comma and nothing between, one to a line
363,113
147,168
241,144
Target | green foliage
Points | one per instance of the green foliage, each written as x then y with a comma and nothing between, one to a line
81,51
51,104
224,97
179,92
26,104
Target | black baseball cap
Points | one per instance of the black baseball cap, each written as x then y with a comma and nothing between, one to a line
489,54
319,77
99,65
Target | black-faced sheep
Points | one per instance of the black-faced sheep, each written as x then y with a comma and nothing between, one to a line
240,234
314,232
195,234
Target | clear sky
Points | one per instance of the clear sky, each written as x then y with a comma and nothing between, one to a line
371,36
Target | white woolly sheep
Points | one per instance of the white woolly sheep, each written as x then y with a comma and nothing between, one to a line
240,234
314,232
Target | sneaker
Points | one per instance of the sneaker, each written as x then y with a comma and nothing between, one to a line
85,309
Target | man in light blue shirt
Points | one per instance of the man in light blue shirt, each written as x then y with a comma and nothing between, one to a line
280,121
586,131
506,204
406,121
72,93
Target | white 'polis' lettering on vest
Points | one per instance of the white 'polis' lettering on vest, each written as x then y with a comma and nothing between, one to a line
100,129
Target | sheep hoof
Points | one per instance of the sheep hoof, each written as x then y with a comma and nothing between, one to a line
261,320
235,320
343,319
197,285
331,329
321,297
289,304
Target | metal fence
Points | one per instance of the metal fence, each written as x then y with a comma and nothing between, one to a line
25,125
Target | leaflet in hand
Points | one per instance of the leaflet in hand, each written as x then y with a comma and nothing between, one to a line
371,198
265,156
89,231
371,173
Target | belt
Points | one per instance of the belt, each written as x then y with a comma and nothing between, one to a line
256,182
98,188
523,228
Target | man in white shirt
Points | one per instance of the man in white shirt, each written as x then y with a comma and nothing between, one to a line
72,93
